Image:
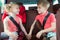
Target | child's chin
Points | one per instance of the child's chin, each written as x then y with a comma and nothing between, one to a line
39,12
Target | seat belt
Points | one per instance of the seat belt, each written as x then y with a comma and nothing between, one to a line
16,24
42,25
44,21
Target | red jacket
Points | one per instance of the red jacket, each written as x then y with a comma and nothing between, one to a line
22,13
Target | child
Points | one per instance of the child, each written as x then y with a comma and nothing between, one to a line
9,27
50,24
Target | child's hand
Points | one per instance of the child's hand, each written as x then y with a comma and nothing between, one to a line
12,35
28,36
38,35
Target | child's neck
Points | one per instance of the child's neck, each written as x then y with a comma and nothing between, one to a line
44,12
12,14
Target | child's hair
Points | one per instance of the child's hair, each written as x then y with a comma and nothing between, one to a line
8,6
44,3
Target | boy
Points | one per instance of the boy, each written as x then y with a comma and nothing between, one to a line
50,24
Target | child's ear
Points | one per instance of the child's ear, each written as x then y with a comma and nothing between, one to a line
46,8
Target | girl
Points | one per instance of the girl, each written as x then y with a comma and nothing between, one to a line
9,28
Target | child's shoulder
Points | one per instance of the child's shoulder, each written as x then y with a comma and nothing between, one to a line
52,14
6,18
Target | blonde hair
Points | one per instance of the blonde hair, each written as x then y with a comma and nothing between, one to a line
8,6
44,3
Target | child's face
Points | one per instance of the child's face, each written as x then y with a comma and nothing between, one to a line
15,9
41,9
